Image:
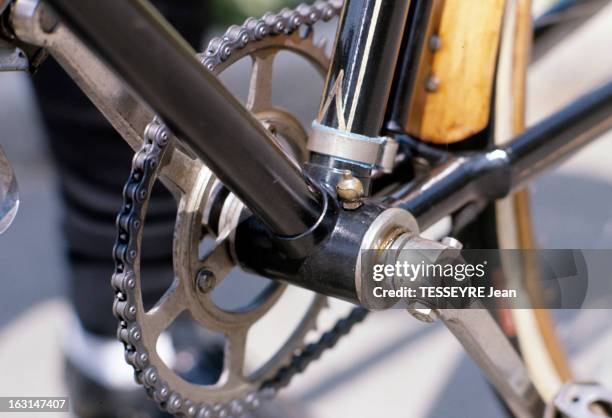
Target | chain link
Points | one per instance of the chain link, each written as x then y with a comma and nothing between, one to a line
313,351
145,167
286,22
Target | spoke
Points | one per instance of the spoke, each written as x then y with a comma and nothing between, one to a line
260,88
235,349
166,310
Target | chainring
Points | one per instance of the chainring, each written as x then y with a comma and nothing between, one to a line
192,183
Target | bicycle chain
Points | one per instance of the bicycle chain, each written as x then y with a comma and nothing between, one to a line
286,22
145,167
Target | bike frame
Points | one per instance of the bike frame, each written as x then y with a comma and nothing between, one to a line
374,64
161,68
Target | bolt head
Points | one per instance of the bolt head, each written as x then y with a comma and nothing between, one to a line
434,43
432,83
48,19
350,190
205,280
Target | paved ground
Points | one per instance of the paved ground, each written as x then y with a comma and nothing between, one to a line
391,363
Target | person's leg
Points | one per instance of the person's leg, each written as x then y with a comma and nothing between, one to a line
93,163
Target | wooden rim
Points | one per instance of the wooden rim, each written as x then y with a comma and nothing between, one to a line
540,346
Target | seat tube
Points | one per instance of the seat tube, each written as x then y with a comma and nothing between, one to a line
346,133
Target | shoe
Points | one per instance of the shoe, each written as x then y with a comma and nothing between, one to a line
101,384
90,399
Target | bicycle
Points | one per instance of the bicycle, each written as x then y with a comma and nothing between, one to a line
402,140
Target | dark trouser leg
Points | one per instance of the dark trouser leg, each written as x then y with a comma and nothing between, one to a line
93,164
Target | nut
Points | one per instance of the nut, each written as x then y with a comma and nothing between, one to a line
432,83
422,312
452,243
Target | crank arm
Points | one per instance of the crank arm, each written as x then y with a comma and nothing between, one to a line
128,115
30,20
485,342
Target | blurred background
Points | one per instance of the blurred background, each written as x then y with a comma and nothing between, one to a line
402,365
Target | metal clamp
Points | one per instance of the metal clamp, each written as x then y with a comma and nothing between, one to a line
376,151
